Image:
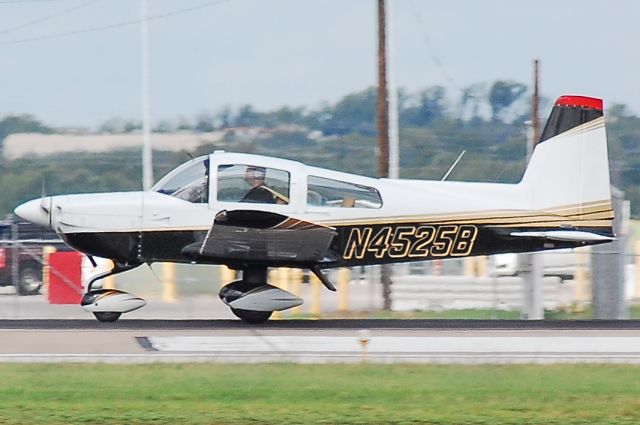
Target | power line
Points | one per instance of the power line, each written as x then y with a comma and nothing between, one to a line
46,18
24,1
436,60
113,26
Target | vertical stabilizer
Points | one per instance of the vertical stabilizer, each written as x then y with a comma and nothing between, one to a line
569,170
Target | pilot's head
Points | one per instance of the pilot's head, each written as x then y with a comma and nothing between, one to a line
255,175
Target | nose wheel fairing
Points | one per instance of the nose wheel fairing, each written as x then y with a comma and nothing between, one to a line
107,305
109,302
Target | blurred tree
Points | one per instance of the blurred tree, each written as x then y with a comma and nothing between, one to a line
204,123
112,126
21,124
184,124
470,101
118,125
132,126
430,105
286,116
355,113
247,117
502,95
223,117
164,126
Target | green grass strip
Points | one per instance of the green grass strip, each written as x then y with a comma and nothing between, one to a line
318,394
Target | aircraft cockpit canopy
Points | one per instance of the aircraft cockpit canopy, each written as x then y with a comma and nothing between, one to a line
189,182
255,181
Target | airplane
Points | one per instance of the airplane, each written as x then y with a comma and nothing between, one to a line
252,212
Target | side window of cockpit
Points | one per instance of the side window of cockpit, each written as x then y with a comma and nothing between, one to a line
252,184
334,193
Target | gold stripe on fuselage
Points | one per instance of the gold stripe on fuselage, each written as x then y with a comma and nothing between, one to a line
566,214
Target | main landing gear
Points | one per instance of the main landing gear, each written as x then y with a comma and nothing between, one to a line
253,300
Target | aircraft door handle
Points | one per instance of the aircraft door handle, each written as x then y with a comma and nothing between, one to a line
158,217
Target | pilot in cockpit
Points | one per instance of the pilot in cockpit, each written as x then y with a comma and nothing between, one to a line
259,192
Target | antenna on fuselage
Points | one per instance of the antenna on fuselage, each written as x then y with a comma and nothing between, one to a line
453,166
43,192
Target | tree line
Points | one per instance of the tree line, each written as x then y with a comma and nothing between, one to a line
489,122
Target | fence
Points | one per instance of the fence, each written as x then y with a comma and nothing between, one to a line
436,285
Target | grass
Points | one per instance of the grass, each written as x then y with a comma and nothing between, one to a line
444,314
574,313
319,394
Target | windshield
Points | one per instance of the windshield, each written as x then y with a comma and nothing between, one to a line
189,182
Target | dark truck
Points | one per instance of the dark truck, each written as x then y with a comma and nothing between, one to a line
25,242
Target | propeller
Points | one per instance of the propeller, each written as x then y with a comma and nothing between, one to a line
46,202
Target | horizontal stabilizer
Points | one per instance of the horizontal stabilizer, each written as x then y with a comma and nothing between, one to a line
565,235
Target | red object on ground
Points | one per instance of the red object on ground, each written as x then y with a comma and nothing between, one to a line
65,278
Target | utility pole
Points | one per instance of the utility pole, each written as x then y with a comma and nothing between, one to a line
607,266
394,136
531,264
382,120
147,160
382,105
535,106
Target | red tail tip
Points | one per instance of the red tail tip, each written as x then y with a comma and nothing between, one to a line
580,102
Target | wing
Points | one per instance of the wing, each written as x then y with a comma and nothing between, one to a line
264,237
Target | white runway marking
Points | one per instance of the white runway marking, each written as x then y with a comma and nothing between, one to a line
387,344
420,349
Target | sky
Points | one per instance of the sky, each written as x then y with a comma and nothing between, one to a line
78,62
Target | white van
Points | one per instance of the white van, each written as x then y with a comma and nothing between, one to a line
562,263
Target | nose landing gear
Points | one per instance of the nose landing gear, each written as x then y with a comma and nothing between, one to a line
107,305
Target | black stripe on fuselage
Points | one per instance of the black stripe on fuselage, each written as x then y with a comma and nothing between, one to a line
129,247
352,245
380,243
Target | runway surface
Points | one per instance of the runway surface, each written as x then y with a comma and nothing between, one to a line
334,324
320,341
